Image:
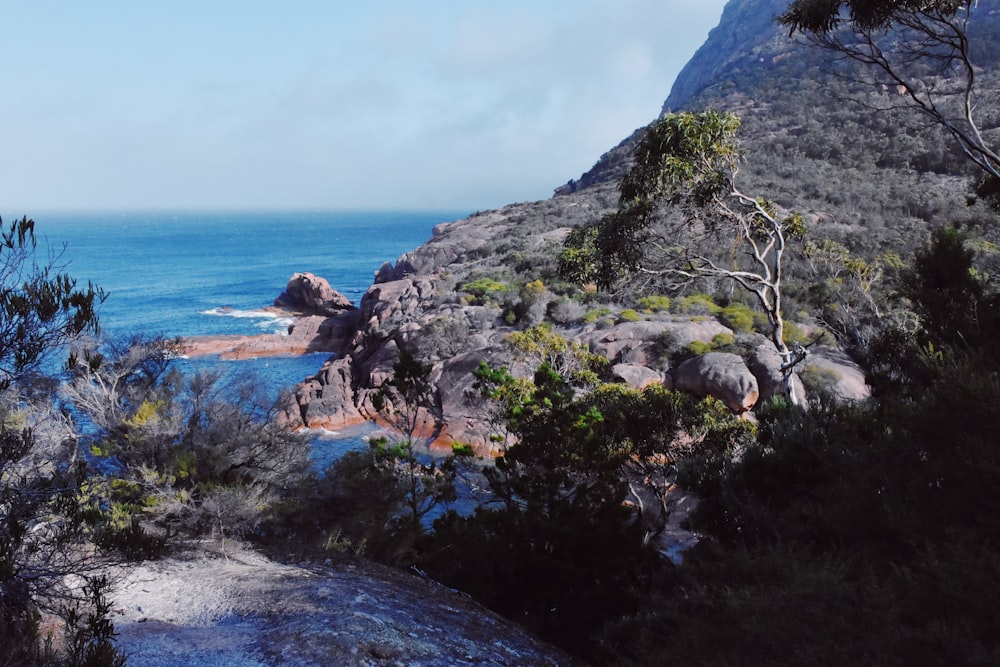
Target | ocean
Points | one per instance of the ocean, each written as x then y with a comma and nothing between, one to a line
204,273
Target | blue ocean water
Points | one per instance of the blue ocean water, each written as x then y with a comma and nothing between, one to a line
196,273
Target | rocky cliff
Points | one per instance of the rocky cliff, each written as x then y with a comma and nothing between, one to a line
428,302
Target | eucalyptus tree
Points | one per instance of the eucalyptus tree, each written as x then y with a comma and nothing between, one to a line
42,527
679,204
919,48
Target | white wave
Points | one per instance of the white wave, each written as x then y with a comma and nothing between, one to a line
226,311
322,433
277,325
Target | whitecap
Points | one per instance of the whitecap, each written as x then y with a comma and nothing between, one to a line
227,311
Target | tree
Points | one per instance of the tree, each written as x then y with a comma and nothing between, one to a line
42,309
920,48
42,527
409,404
690,161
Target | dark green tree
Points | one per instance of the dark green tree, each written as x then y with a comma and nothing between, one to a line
42,527
42,309
408,403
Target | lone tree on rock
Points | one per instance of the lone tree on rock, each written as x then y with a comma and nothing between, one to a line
690,161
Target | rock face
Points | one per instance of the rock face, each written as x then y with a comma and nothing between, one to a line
721,375
239,608
765,364
419,303
312,294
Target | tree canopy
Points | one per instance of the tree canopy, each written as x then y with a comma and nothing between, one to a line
821,16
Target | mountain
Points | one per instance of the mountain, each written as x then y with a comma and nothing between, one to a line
734,45
818,139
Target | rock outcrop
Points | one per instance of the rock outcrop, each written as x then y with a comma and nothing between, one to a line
239,608
313,295
420,303
722,375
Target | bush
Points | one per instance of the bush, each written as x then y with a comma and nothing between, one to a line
655,303
695,304
739,317
629,315
591,316
484,290
793,333
566,311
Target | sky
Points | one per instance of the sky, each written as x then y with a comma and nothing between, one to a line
298,104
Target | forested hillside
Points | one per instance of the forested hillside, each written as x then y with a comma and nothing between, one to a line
820,139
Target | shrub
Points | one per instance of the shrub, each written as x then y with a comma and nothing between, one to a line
697,347
738,317
695,304
484,290
655,303
629,315
566,311
793,333
723,340
591,316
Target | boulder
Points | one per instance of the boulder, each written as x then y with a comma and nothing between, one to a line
636,376
837,374
642,342
312,294
765,364
385,273
327,400
719,374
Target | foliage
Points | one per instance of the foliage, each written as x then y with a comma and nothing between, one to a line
739,317
569,359
42,309
407,402
689,161
484,290
198,454
90,634
904,44
844,534
862,15
558,549
42,529
655,303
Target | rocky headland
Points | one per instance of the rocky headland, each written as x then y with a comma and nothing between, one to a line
427,301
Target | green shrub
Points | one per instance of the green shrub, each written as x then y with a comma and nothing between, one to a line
723,340
591,316
484,290
698,347
695,304
629,315
655,303
793,333
738,317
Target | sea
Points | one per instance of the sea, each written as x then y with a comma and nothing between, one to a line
206,273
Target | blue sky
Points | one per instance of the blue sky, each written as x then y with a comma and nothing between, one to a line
307,104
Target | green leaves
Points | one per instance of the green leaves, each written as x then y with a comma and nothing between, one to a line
41,310
684,158
823,16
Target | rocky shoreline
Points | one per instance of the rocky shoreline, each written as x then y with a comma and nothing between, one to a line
419,303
